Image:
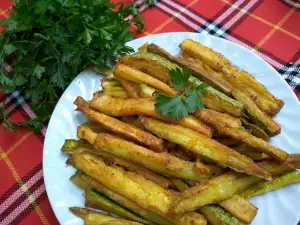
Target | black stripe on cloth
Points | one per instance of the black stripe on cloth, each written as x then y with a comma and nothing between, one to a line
214,29
291,72
291,3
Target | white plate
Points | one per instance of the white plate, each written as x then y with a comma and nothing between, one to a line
276,208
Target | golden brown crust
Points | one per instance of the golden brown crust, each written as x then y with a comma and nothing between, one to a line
119,127
204,146
162,163
127,73
212,118
143,106
211,79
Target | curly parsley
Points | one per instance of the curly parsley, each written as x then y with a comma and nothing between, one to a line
48,42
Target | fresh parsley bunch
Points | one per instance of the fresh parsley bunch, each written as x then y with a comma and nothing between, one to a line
48,42
188,98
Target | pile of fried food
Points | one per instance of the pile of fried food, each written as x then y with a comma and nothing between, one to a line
149,169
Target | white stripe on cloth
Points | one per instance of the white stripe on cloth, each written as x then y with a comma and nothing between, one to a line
24,205
240,13
292,3
19,192
28,111
185,11
179,16
15,94
229,11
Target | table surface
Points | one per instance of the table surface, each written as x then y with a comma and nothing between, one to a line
269,28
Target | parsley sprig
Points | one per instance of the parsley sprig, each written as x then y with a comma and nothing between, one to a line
48,42
186,101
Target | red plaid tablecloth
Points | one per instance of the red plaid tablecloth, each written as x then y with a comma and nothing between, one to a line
270,28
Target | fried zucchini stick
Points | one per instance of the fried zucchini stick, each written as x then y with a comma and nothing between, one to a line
204,146
151,64
143,106
240,208
211,97
255,130
128,184
76,146
86,182
215,119
112,87
213,191
276,169
264,99
216,100
279,182
146,91
127,73
212,79
258,117
98,201
96,218
162,163
237,206
250,152
119,127
217,216
156,178
132,88
189,218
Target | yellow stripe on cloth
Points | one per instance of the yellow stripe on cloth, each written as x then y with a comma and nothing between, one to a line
262,20
274,29
169,20
18,143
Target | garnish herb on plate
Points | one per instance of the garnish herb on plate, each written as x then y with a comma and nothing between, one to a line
186,101
48,42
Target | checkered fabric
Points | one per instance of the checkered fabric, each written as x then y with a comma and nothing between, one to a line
270,28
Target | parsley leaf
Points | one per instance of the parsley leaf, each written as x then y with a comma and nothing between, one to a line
9,48
38,71
180,77
175,107
186,101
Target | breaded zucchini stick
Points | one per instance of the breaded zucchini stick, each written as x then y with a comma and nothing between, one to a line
213,191
143,106
96,218
212,79
86,182
264,99
128,184
162,163
119,127
204,146
216,120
